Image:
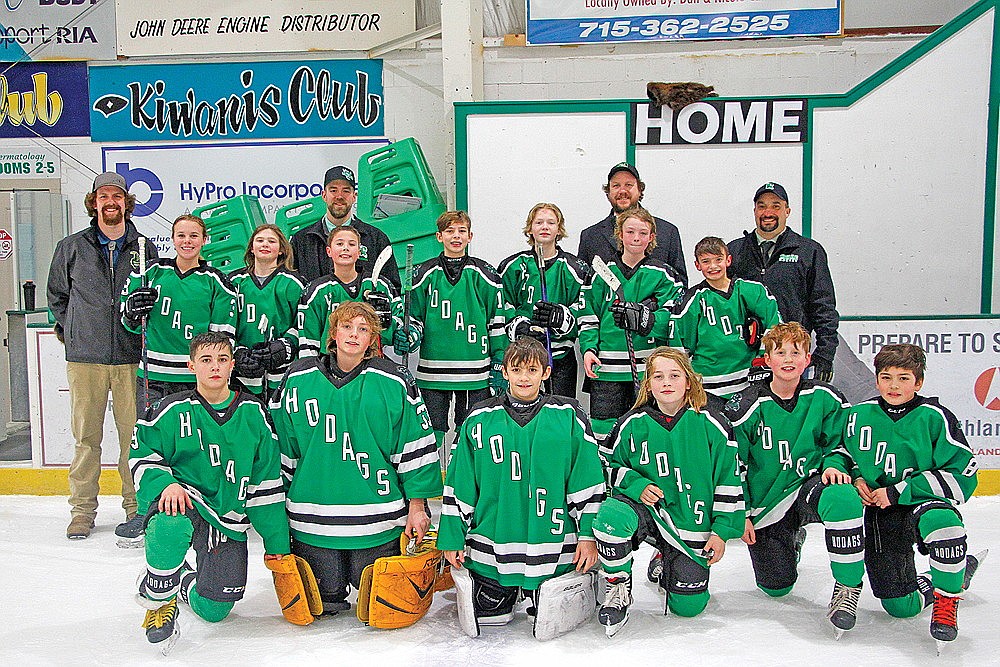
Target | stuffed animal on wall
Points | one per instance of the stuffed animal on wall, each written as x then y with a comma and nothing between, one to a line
678,95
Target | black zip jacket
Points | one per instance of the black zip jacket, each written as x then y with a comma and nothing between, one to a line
312,262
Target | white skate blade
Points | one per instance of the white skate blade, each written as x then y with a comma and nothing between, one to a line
940,646
168,645
838,633
612,630
131,542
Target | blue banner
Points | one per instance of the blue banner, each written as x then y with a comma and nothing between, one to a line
43,99
786,23
261,100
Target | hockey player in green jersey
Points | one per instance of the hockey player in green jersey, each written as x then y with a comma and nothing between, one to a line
458,312
647,286
322,296
790,432
713,321
358,455
206,463
914,467
674,479
267,297
523,486
179,298
550,319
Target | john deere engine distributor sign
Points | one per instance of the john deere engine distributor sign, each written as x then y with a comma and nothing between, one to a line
587,21
259,100
962,369
154,27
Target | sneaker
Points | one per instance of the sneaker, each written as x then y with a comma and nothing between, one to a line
614,612
843,612
79,528
944,619
655,568
161,623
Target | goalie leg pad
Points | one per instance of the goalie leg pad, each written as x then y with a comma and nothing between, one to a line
463,598
297,604
396,591
563,603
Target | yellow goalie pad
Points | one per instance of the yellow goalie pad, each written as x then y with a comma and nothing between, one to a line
397,591
296,587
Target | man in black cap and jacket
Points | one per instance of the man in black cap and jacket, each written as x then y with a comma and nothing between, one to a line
88,272
309,243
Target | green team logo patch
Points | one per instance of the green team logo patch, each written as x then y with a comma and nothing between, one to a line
134,259
788,258
363,253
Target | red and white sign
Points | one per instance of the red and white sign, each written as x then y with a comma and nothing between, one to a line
6,244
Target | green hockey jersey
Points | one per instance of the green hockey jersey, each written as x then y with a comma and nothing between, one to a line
189,303
782,443
266,310
225,457
322,296
565,276
354,448
917,451
521,490
651,281
461,323
693,460
708,325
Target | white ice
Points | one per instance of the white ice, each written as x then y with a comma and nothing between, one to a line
70,602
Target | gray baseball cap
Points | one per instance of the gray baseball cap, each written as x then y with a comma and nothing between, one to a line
110,178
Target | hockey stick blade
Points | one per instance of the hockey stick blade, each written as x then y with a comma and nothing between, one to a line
380,262
602,270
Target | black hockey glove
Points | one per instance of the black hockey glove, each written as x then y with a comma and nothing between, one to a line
822,369
632,316
140,303
272,355
247,364
753,331
522,326
553,316
383,307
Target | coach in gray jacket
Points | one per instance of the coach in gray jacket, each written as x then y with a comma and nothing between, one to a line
89,270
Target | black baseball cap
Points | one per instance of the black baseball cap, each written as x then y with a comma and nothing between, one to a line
110,178
623,166
775,188
340,173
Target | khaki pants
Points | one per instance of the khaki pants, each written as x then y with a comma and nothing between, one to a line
88,395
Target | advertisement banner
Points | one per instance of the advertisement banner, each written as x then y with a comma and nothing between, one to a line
153,27
170,180
29,162
57,30
590,21
713,121
260,100
962,369
43,99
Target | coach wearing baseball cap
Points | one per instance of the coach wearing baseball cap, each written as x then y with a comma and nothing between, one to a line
340,191
795,270
624,190
88,271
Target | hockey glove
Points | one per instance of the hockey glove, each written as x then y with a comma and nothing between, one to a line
140,303
822,370
753,331
553,316
522,326
404,342
247,364
383,307
632,316
272,355
498,385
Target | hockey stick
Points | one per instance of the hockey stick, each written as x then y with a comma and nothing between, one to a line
602,270
540,260
407,288
380,262
145,318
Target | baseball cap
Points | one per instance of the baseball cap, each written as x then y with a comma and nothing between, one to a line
623,166
110,178
775,188
340,173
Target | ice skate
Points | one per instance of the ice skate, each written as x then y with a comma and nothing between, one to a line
614,612
843,612
131,533
161,625
944,619
972,563
655,567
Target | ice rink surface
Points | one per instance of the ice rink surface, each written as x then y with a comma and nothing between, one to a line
70,603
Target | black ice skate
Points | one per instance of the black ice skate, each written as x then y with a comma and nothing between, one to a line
655,568
972,563
161,625
944,619
131,533
843,612
614,612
